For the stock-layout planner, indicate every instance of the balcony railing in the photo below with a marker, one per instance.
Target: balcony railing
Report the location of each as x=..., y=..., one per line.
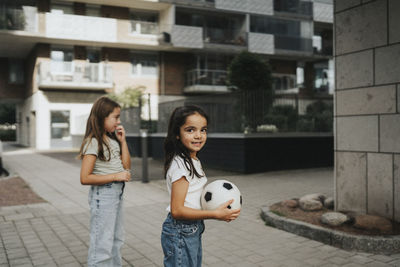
x=293, y=43
x=224, y=36
x=206, y=77
x=295, y=7
x=81, y=27
x=69, y=75
x=18, y=19
x=144, y=27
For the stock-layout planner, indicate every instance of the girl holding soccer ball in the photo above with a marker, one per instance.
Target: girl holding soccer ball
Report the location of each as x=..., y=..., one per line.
x=183, y=227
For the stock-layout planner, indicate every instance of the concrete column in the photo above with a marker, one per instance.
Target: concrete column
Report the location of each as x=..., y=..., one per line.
x=367, y=118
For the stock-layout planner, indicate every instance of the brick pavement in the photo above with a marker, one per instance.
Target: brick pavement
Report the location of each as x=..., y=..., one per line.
x=56, y=233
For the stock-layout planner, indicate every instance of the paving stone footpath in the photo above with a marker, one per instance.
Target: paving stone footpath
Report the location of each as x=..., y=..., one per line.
x=56, y=233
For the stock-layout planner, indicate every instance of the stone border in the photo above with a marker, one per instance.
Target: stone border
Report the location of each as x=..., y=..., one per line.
x=362, y=243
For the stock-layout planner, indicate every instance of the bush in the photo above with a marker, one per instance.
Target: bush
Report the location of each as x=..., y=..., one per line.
x=305, y=124
x=283, y=116
x=322, y=115
x=8, y=135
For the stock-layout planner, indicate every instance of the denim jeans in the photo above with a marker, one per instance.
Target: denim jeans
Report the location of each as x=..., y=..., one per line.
x=106, y=225
x=181, y=242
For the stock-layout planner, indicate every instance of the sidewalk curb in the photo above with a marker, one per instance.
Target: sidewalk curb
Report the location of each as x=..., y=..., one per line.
x=362, y=243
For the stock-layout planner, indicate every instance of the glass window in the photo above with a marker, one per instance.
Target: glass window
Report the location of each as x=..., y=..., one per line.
x=93, y=10
x=93, y=55
x=62, y=8
x=16, y=71
x=275, y=26
x=61, y=60
x=60, y=124
x=146, y=65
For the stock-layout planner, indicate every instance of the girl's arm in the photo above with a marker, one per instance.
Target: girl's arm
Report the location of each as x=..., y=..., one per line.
x=179, y=211
x=88, y=178
x=125, y=156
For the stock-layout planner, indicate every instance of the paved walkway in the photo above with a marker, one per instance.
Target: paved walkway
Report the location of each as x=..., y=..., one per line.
x=56, y=233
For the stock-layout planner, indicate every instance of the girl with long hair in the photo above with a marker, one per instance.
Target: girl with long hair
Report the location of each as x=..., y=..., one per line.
x=105, y=167
x=185, y=178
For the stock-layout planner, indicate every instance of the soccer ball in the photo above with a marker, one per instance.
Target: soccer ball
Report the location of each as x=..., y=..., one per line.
x=218, y=192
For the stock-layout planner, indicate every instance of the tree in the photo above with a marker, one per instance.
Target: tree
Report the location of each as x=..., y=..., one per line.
x=129, y=98
x=251, y=77
x=7, y=113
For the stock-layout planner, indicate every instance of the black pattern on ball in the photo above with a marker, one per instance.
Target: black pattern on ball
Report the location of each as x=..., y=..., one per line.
x=229, y=207
x=228, y=186
x=208, y=196
x=240, y=199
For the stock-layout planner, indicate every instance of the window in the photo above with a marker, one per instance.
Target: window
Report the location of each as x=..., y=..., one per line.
x=283, y=81
x=93, y=10
x=60, y=125
x=16, y=71
x=144, y=65
x=93, y=55
x=144, y=23
x=61, y=60
x=61, y=8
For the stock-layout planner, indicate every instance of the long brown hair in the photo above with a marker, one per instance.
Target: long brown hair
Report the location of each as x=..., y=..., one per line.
x=101, y=108
x=173, y=146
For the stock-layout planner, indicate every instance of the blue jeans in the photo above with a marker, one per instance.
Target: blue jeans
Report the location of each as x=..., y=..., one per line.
x=106, y=225
x=181, y=242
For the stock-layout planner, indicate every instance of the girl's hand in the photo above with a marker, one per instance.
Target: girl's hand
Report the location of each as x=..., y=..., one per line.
x=124, y=176
x=120, y=133
x=225, y=214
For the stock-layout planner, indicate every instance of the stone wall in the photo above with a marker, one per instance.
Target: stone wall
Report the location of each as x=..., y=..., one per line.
x=367, y=119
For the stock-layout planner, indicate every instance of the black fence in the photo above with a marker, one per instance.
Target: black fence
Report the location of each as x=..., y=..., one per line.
x=256, y=111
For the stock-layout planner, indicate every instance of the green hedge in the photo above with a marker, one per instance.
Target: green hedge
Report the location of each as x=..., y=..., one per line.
x=8, y=135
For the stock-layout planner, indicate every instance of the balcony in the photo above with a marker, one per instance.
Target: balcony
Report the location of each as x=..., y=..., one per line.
x=206, y=81
x=323, y=11
x=224, y=36
x=295, y=44
x=187, y=36
x=24, y=19
x=207, y=3
x=261, y=43
x=144, y=27
x=298, y=7
x=71, y=75
x=78, y=27
x=262, y=7
x=284, y=83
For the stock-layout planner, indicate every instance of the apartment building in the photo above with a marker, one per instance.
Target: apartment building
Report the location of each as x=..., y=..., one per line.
x=57, y=57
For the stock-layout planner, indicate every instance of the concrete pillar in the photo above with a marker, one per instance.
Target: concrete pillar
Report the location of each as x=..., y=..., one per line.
x=367, y=119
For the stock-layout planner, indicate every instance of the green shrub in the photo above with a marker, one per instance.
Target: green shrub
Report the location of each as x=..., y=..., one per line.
x=7, y=135
x=305, y=124
x=284, y=117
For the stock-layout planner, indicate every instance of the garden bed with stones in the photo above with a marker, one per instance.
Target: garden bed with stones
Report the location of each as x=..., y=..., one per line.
x=345, y=230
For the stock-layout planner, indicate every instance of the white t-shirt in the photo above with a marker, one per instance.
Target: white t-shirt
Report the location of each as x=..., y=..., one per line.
x=196, y=185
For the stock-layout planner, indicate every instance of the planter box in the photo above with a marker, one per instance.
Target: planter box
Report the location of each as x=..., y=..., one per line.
x=251, y=153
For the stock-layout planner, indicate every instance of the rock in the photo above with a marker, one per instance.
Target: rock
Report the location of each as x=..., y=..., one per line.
x=311, y=202
x=291, y=203
x=329, y=203
x=372, y=222
x=334, y=218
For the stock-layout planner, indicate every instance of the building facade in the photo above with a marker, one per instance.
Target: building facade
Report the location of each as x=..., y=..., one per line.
x=57, y=57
